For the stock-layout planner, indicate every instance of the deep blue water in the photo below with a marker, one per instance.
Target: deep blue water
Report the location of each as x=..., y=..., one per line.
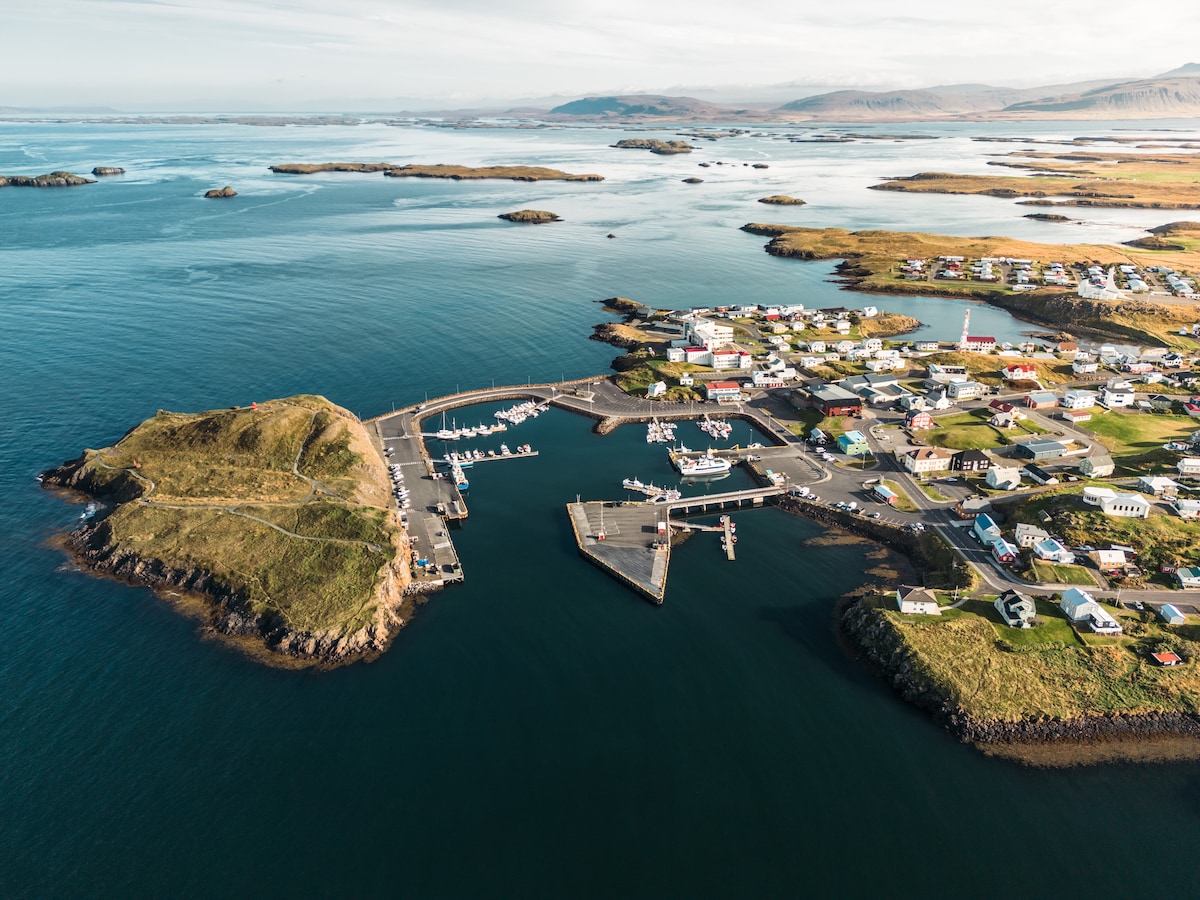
x=537, y=731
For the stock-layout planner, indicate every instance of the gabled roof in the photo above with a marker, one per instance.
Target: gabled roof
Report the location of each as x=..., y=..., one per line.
x=910, y=592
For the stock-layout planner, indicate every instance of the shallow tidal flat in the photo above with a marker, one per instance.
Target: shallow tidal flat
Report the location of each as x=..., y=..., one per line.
x=1079, y=178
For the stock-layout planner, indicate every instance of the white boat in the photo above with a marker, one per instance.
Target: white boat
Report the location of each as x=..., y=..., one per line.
x=705, y=464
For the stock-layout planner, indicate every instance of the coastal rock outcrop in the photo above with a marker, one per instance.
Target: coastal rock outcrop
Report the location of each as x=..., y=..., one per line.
x=693, y=181
x=654, y=145
x=532, y=216
x=215, y=193
x=106, y=171
x=52, y=179
x=781, y=200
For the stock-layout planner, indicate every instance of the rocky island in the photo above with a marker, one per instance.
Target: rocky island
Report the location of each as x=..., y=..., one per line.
x=654, y=145
x=53, y=179
x=217, y=193
x=107, y=171
x=273, y=523
x=781, y=200
x=457, y=173
x=532, y=216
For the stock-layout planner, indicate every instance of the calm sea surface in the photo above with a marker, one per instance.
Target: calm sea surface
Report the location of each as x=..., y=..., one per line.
x=537, y=731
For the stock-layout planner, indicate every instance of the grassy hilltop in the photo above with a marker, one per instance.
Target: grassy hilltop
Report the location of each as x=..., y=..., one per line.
x=280, y=515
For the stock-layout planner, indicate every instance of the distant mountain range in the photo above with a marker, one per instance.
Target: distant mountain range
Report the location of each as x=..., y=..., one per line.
x=1173, y=94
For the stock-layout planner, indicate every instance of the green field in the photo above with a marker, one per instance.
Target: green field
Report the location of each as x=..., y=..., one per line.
x=965, y=431
x=1133, y=437
x=1048, y=572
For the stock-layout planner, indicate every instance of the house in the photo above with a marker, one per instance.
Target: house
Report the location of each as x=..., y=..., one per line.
x=916, y=419
x=1188, y=576
x=833, y=400
x=1038, y=475
x=1028, y=535
x=1117, y=397
x=767, y=380
x=1003, y=551
x=1082, y=609
x=1159, y=486
x=1171, y=614
x=1085, y=367
x=1053, y=551
x=676, y=354
x=1078, y=399
x=1002, y=420
x=686, y=380
x=1016, y=609
x=978, y=344
x=964, y=390
x=854, y=443
x=656, y=389
x=872, y=344
x=970, y=507
x=927, y=459
x=916, y=601
x=947, y=373
x=1188, y=466
x=1120, y=505
x=1098, y=465
x=1108, y=560
x=1075, y=416
x=884, y=494
x=999, y=406
x=1019, y=372
x=1004, y=478
x=723, y=391
x=1187, y=508
x=971, y=461
x=986, y=529
x=1166, y=658
x=927, y=346
x=1162, y=402
x=1041, y=399
x=1040, y=448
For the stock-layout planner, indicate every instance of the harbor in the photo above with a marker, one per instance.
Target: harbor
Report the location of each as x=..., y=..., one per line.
x=632, y=542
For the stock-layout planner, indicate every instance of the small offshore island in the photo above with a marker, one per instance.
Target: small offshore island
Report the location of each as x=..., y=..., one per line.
x=274, y=522
x=530, y=216
x=456, y=173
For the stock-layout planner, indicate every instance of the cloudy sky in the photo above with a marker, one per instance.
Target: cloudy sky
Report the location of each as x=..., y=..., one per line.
x=292, y=54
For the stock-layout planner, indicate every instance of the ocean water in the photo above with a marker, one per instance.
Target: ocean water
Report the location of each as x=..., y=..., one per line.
x=538, y=730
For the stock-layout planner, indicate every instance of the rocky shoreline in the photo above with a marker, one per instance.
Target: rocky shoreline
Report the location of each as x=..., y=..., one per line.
x=882, y=648
x=224, y=611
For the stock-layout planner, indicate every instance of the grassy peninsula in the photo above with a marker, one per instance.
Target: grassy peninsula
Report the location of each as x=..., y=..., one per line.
x=1077, y=178
x=996, y=685
x=277, y=518
x=872, y=261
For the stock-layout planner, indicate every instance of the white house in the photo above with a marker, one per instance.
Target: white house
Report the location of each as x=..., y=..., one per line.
x=1078, y=400
x=1188, y=576
x=1188, y=466
x=964, y=390
x=686, y=380
x=1159, y=486
x=1187, y=508
x=1082, y=609
x=1017, y=610
x=1085, y=367
x=927, y=459
x=1117, y=393
x=676, y=354
x=1117, y=504
x=657, y=389
x=916, y=601
x=1053, y=551
x=869, y=312
x=1028, y=535
x=872, y=344
x=1004, y=478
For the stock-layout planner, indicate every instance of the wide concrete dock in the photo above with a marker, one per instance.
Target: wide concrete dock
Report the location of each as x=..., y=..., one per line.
x=632, y=541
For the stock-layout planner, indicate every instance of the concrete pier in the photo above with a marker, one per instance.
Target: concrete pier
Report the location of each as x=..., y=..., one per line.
x=632, y=541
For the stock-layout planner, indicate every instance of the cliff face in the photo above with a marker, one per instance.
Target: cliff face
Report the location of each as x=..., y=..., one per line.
x=230, y=612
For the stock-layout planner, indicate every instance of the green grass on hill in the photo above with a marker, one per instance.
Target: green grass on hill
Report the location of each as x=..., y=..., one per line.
x=1131, y=436
x=1048, y=572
